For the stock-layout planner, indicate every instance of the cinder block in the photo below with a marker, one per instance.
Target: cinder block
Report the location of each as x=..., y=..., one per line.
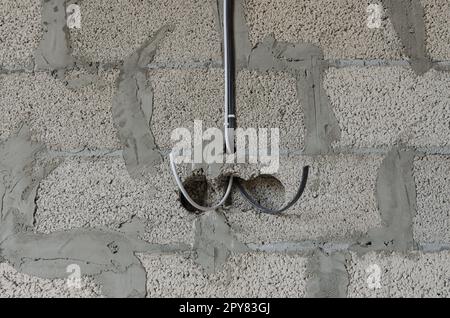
x=338, y=203
x=386, y=106
x=432, y=220
x=412, y=275
x=99, y=193
x=244, y=275
x=338, y=27
x=112, y=30
x=20, y=32
x=264, y=100
x=182, y=96
x=14, y=284
x=66, y=114
x=269, y=100
x=437, y=28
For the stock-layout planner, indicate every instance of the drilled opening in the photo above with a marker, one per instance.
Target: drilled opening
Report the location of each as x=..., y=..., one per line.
x=204, y=192
x=267, y=190
x=197, y=188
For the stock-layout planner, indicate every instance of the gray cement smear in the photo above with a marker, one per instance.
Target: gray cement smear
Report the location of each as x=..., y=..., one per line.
x=396, y=197
x=407, y=17
x=214, y=241
x=108, y=256
x=19, y=181
x=328, y=275
x=53, y=52
x=305, y=62
x=133, y=106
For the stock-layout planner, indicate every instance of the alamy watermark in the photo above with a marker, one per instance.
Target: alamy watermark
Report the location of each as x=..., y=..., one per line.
x=374, y=276
x=74, y=278
x=73, y=13
x=253, y=145
x=375, y=15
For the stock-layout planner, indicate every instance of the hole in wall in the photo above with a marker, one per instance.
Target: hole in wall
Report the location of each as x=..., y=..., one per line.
x=267, y=191
x=197, y=188
x=204, y=192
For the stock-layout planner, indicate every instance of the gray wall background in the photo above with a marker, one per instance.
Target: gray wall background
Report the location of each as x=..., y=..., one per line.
x=85, y=128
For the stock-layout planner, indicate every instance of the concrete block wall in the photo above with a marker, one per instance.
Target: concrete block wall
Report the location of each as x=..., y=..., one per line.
x=85, y=132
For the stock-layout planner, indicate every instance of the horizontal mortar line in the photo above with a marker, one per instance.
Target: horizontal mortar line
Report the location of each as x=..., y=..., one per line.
x=434, y=247
x=187, y=65
x=339, y=63
x=305, y=246
x=378, y=62
x=308, y=246
x=287, y=153
x=368, y=62
x=445, y=151
x=86, y=153
x=5, y=71
x=443, y=62
x=382, y=151
x=433, y=151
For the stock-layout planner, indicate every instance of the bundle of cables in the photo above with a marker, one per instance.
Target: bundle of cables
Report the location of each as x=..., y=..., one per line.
x=230, y=125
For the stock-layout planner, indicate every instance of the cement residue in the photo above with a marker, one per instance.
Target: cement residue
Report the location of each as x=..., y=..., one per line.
x=19, y=180
x=108, y=256
x=53, y=52
x=328, y=275
x=407, y=16
x=47, y=256
x=305, y=62
x=214, y=241
x=396, y=197
x=133, y=107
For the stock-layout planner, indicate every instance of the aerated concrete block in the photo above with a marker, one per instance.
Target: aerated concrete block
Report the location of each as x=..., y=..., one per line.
x=339, y=27
x=264, y=100
x=112, y=30
x=338, y=203
x=397, y=275
x=437, y=28
x=380, y=107
x=14, y=284
x=270, y=101
x=432, y=220
x=65, y=114
x=244, y=275
x=99, y=193
x=20, y=32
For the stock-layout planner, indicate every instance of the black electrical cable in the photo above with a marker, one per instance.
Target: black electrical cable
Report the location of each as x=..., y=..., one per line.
x=256, y=204
x=231, y=110
x=230, y=66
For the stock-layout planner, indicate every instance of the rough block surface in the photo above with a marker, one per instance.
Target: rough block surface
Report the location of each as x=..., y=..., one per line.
x=68, y=114
x=112, y=30
x=18, y=285
x=99, y=193
x=386, y=106
x=432, y=220
x=338, y=27
x=263, y=101
x=412, y=275
x=338, y=203
x=20, y=32
x=437, y=27
x=244, y=275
